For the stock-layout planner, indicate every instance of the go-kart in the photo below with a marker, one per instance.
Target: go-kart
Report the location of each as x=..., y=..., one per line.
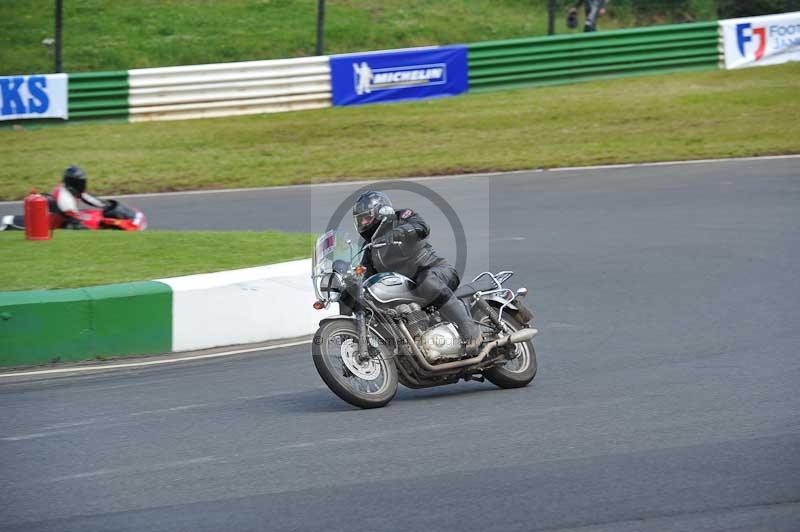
x=115, y=215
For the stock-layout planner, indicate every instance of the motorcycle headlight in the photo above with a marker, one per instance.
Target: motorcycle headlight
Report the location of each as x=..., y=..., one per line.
x=331, y=286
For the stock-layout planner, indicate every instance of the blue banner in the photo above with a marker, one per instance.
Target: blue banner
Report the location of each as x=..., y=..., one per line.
x=396, y=75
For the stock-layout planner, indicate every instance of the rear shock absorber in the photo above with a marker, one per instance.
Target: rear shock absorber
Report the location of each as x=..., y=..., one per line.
x=490, y=312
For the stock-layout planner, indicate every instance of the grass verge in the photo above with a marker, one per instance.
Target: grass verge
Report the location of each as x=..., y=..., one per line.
x=680, y=116
x=75, y=259
x=119, y=34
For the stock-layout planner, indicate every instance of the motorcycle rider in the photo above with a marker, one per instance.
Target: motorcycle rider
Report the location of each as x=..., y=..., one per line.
x=415, y=258
x=64, y=204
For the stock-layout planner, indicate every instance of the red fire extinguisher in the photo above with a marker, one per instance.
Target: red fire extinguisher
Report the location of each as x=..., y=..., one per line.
x=37, y=217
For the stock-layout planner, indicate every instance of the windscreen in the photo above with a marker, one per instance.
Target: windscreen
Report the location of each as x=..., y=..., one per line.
x=332, y=246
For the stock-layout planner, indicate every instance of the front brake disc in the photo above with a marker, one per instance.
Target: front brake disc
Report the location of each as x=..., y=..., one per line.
x=367, y=370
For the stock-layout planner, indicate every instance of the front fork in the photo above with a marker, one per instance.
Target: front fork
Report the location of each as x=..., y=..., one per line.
x=363, y=346
x=361, y=322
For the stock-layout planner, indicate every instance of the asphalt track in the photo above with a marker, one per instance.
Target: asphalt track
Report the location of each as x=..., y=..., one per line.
x=667, y=398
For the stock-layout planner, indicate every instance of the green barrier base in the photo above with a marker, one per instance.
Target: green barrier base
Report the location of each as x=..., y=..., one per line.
x=43, y=326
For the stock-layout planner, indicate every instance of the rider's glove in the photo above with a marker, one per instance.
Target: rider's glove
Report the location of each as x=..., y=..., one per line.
x=395, y=235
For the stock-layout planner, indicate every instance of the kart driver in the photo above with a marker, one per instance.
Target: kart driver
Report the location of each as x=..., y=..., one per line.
x=64, y=207
x=414, y=258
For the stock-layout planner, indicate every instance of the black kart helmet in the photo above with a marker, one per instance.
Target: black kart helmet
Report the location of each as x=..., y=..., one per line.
x=75, y=180
x=365, y=211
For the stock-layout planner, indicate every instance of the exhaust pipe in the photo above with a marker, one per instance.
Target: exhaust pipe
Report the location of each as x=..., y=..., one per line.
x=523, y=335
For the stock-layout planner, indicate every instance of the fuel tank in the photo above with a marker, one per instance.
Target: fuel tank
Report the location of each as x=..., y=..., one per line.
x=392, y=288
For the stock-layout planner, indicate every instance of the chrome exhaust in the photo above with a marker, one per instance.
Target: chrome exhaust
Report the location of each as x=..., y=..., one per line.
x=523, y=335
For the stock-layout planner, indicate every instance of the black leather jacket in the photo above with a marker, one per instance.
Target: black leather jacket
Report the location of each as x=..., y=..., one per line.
x=408, y=258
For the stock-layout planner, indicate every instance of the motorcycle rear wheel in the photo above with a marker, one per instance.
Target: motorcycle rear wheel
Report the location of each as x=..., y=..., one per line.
x=365, y=384
x=519, y=371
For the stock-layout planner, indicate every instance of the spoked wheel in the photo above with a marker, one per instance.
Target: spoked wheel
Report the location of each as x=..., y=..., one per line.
x=366, y=383
x=520, y=370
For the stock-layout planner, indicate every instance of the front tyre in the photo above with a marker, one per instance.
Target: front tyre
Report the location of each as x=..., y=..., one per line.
x=520, y=370
x=370, y=383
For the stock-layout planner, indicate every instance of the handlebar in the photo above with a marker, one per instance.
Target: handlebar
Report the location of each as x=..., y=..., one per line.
x=382, y=244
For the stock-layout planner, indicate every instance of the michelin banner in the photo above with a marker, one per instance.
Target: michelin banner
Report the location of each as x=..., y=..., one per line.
x=26, y=97
x=395, y=75
x=757, y=41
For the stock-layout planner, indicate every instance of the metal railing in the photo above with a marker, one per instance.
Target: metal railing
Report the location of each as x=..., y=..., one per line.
x=561, y=59
x=228, y=89
x=98, y=95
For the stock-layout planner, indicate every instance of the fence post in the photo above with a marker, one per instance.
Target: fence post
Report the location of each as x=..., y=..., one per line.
x=58, y=23
x=551, y=17
x=320, y=26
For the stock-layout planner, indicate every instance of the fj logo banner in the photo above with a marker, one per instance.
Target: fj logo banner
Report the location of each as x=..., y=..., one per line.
x=395, y=75
x=25, y=97
x=760, y=41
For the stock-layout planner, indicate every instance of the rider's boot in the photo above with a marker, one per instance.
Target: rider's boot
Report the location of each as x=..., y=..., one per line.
x=456, y=313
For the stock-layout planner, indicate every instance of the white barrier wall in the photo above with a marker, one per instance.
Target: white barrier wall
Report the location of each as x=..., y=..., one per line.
x=243, y=306
x=227, y=89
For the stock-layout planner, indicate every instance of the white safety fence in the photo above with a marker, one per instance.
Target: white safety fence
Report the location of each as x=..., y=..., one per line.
x=228, y=89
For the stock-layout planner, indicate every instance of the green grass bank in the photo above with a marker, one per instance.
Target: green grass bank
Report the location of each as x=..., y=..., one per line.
x=672, y=117
x=74, y=259
x=119, y=35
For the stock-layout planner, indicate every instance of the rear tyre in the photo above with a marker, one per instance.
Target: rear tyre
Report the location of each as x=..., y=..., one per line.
x=366, y=384
x=519, y=371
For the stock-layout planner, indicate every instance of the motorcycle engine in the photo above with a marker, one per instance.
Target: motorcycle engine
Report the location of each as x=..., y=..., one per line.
x=436, y=340
x=441, y=342
x=417, y=320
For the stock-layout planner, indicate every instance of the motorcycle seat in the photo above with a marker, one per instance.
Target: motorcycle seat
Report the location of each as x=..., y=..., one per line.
x=468, y=289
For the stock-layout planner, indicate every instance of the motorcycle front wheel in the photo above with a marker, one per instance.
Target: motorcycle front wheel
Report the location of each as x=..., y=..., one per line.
x=369, y=383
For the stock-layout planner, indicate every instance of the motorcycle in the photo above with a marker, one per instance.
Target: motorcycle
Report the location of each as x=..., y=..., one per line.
x=385, y=335
x=115, y=215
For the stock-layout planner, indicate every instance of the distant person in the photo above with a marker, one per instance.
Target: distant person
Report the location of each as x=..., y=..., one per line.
x=593, y=8
x=63, y=203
